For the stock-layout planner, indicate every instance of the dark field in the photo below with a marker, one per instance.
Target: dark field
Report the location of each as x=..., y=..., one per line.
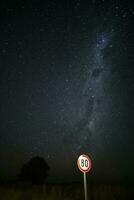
x=66, y=192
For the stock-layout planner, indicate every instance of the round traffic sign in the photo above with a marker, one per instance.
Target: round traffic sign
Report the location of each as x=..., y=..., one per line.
x=84, y=163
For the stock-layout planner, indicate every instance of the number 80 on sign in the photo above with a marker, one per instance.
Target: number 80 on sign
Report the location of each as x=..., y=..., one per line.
x=84, y=163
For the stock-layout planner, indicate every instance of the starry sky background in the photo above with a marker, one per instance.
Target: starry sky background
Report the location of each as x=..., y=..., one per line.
x=67, y=86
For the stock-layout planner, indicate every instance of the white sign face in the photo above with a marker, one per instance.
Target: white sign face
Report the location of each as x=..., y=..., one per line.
x=84, y=163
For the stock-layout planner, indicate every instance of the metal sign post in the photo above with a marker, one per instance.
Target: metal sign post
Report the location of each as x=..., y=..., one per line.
x=84, y=165
x=85, y=185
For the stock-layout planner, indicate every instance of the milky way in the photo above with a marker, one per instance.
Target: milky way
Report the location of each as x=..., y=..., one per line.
x=88, y=136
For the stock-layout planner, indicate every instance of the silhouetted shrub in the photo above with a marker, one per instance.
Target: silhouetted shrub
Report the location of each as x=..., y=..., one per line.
x=34, y=171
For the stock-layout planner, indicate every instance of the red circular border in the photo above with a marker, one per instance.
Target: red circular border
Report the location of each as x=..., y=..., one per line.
x=89, y=159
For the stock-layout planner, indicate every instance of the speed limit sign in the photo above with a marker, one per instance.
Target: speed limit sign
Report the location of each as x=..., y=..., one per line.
x=84, y=163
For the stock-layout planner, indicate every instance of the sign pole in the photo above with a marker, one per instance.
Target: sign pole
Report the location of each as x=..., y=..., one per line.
x=84, y=165
x=85, y=185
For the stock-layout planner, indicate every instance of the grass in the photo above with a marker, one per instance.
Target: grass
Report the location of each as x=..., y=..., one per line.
x=65, y=192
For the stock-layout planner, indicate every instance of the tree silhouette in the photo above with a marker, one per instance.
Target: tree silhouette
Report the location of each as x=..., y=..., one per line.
x=34, y=171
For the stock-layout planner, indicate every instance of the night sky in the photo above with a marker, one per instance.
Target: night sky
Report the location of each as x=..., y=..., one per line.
x=67, y=86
